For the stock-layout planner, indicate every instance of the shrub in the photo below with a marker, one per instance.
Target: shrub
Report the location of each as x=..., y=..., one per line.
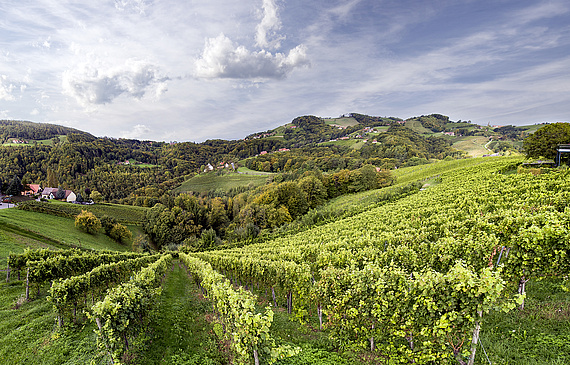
x=87, y=222
x=120, y=233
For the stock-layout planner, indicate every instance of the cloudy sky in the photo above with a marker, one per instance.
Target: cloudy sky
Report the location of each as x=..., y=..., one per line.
x=189, y=70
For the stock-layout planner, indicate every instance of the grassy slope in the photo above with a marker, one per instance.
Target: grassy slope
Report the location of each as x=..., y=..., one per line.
x=123, y=213
x=20, y=229
x=27, y=334
x=343, y=122
x=417, y=126
x=352, y=143
x=473, y=145
x=246, y=171
x=210, y=181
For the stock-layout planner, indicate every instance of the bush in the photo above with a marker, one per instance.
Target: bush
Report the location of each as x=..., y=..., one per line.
x=108, y=223
x=87, y=222
x=120, y=233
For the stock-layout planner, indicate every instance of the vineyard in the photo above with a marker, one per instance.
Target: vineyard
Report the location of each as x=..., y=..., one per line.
x=420, y=279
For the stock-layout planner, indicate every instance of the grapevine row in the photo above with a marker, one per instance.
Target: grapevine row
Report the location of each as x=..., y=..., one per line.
x=121, y=315
x=248, y=331
x=68, y=294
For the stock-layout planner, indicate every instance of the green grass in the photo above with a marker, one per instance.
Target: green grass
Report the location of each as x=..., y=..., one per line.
x=532, y=128
x=134, y=163
x=245, y=170
x=21, y=229
x=352, y=143
x=343, y=122
x=211, y=181
x=181, y=329
x=417, y=126
x=539, y=334
x=128, y=214
x=28, y=336
x=473, y=145
x=16, y=242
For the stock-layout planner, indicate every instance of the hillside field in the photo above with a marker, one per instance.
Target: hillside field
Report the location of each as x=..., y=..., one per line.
x=211, y=182
x=21, y=229
x=127, y=214
x=473, y=145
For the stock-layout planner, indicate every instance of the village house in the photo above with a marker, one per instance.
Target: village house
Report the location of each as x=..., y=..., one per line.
x=49, y=193
x=34, y=189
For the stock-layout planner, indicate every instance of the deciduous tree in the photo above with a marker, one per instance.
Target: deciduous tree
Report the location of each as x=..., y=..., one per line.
x=87, y=222
x=544, y=141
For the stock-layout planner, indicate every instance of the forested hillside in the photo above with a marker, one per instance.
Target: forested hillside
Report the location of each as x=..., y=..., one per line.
x=32, y=131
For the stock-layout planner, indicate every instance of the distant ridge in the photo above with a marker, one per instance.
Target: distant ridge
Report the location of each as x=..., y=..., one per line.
x=34, y=131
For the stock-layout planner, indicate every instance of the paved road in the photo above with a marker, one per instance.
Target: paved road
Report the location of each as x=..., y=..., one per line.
x=6, y=205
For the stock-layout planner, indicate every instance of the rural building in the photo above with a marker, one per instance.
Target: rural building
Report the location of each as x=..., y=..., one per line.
x=562, y=151
x=49, y=193
x=34, y=189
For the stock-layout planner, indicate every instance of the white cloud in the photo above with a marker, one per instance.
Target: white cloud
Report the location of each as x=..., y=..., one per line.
x=92, y=86
x=8, y=86
x=266, y=31
x=223, y=59
x=139, y=131
x=136, y=6
x=543, y=10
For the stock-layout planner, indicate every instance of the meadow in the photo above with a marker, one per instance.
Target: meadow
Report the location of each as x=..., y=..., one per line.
x=21, y=229
x=211, y=181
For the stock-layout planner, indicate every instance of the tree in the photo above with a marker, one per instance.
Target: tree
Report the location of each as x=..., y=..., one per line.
x=51, y=178
x=218, y=217
x=60, y=193
x=15, y=187
x=96, y=196
x=315, y=190
x=87, y=222
x=108, y=223
x=544, y=141
x=140, y=243
x=120, y=233
x=208, y=240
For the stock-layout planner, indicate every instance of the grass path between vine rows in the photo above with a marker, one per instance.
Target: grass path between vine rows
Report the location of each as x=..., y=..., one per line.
x=180, y=331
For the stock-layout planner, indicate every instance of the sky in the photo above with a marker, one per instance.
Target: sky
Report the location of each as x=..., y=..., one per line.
x=191, y=70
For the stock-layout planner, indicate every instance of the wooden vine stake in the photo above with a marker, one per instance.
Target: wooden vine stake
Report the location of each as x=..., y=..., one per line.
x=475, y=339
x=320, y=312
x=255, y=357
x=522, y=289
x=274, y=298
x=28, y=284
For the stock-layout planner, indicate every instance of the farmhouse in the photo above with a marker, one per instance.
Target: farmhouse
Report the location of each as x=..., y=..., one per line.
x=50, y=193
x=34, y=189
